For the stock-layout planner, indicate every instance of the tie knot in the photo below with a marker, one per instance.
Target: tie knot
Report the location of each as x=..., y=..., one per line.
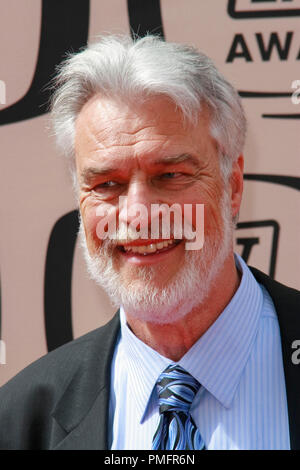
x=176, y=389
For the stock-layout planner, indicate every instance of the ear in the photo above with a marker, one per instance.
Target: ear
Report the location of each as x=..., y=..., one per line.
x=236, y=185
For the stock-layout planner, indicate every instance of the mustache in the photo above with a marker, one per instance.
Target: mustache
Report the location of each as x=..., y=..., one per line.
x=166, y=222
x=125, y=233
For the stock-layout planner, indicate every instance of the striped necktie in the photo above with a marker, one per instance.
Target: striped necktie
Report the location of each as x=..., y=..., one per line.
x=176, y=430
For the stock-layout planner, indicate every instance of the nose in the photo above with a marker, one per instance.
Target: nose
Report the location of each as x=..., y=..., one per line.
x=135, y=207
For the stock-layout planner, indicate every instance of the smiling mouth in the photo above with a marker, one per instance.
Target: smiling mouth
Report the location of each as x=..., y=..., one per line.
x=149, y=248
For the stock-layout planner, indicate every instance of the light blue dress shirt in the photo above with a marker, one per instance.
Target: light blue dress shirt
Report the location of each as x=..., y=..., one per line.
x=238, y=361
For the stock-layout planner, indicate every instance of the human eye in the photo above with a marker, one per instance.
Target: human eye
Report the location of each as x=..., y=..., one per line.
x=173, y=180
x=107, y=184
x=106, y=187
x=170, y=175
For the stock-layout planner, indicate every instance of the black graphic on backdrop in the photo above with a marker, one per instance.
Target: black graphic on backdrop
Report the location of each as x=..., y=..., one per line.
x=58, y=278
x=235, y=11
x=249, y=242
x=289, y=181
x=145, y=17
x=64, y=27
x=268, y=46
x=240, y=50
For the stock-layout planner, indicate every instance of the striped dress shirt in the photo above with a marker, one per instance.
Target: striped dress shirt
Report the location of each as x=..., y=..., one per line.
x=238, y=361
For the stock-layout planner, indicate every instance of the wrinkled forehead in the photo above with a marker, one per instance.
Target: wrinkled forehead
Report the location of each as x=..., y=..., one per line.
x=109, y=124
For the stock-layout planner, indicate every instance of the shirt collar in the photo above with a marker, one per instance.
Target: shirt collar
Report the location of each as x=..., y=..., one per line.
x=216, y=360
x=144, y=365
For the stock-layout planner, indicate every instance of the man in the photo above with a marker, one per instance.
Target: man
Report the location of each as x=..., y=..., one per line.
x=199, y=354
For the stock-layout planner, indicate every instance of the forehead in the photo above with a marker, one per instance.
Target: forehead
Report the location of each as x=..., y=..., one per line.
x=107, y=128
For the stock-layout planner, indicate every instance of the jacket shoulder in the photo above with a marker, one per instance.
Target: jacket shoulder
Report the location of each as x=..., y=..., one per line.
x=56, y=365
x=284, y=297
x=287, y=304
x=30, y=397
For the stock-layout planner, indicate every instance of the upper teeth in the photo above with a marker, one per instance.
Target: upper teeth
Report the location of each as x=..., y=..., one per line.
x=151, y=248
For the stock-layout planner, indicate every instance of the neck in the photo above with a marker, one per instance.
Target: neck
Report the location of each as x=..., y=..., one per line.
x=181, y=335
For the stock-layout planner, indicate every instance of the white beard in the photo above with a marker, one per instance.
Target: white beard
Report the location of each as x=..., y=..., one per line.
x=189, y=288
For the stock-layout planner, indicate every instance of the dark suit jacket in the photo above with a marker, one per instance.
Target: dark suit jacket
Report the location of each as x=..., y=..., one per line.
x=61, y=400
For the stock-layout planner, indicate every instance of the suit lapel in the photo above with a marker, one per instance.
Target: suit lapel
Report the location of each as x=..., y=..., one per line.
x=286, y=301
x=81, y=414
x=91, y=432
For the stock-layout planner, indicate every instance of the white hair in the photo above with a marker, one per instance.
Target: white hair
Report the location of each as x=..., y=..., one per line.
x=128, y=69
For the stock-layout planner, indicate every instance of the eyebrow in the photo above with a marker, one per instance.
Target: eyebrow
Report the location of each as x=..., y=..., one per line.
x=185, y=157
x=92, y=172
x=89, y=173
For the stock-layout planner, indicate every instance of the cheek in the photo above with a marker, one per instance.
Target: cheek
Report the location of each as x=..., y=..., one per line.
x=213, y=221
x=100, y=222
x=90, y=221
x=193, y=215
x=206, y=215
x=213, y=217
